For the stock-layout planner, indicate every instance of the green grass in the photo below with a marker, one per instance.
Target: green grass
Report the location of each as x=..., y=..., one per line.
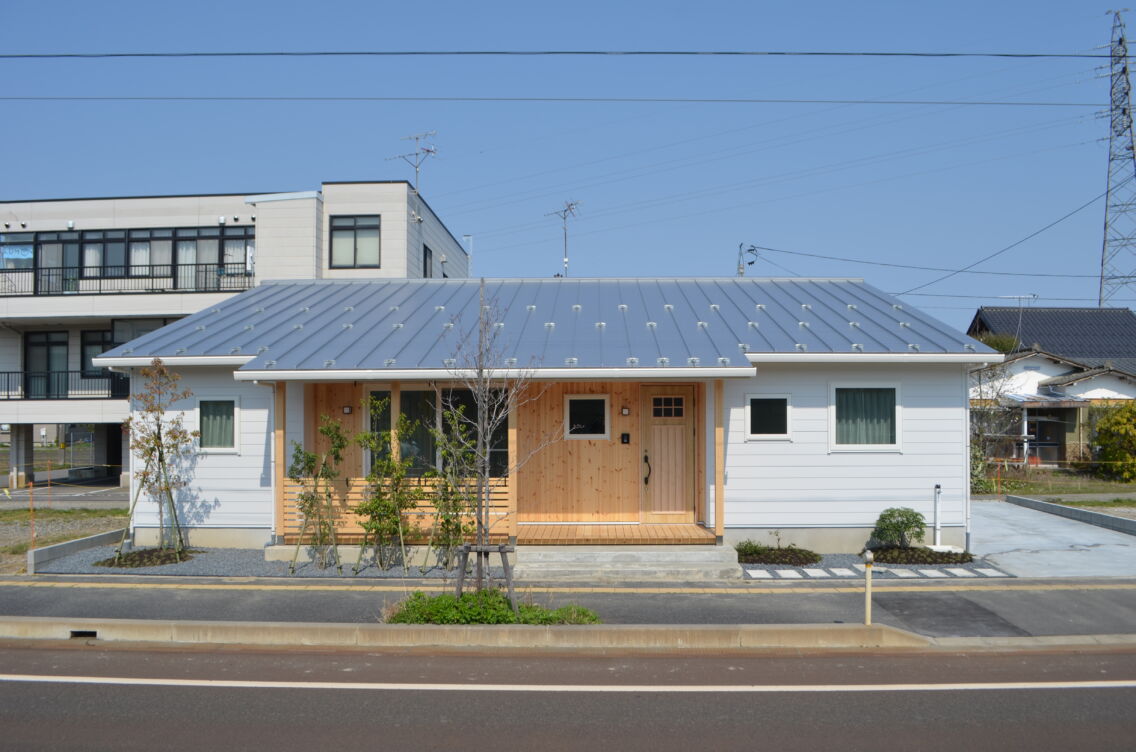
x=23, y=515
x=1051, y=482
x=1112, y=503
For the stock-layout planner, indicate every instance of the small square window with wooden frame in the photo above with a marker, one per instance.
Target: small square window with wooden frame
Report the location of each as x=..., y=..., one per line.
x=586, y=416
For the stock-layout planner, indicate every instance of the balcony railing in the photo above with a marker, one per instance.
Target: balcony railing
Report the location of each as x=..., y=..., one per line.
x=61, y=385
x=129, y=279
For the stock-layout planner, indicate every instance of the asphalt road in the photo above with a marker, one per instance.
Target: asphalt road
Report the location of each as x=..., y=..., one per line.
x=90, y=697
x=1007, y=608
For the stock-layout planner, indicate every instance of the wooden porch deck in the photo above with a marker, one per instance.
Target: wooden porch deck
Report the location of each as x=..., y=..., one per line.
x=612, y=535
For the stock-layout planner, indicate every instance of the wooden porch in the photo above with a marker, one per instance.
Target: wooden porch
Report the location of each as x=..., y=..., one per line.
x=614, y=535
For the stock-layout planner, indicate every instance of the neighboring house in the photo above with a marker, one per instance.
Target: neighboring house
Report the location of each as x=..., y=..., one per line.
x=79, y=276
x=1068, y=361
x=683, y=410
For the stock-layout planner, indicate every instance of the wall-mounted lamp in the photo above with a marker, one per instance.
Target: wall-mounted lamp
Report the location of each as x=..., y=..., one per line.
x=252, y=218
x=23, y=224
x=70, y=224
x=221, y=220
x=236, y=219
x=625, y=410
x=7, y=225
x=347, y=409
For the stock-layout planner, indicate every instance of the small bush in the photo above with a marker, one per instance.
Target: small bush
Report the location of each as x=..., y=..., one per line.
x=148, y=557
x=920, y=555
x=1116, y=436
x=483, y=607
x=899, y=527
x=751, y=552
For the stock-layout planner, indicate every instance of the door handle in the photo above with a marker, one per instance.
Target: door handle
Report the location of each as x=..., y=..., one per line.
x=647, y=477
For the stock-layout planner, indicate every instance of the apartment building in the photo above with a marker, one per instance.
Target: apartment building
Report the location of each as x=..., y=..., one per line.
x=80, y=276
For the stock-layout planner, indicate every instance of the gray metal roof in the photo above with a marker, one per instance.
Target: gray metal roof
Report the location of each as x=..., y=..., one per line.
x=1094, y=337
x=395, y=326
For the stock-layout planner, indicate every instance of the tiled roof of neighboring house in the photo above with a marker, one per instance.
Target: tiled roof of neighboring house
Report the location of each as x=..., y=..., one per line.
x=693, y=325
x=1094, y=337
x=1091, y=373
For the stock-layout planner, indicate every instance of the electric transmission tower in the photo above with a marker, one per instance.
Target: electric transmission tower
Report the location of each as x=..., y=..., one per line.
x=569, y=210
x=1118, y=254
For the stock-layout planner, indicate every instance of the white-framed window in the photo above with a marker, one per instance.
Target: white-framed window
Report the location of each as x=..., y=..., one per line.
x=586, y=416
x=218, y=425
x=768, y=417
x=864, y=417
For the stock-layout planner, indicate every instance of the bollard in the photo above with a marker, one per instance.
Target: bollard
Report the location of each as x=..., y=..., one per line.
x=868, y=558
x=31, y=511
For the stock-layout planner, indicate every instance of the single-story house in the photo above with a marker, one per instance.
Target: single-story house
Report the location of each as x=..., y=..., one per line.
x=663, y=410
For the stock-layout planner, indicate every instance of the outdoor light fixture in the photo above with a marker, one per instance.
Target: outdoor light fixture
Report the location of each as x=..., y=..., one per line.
x=347, y=409
x=70, y=224
x=625, y=410
x=221, y=220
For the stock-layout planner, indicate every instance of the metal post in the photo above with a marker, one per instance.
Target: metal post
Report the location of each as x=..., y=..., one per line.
x=868, y=558
x=938, y=509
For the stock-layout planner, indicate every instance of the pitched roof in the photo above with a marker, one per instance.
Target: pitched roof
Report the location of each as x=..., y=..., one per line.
x=558, y=327
x=1091, y=336
x=1066, y=379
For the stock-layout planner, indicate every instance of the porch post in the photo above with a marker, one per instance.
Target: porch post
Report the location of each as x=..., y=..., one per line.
x=511, y=480
x=279, y=394
x=719, y=462
x=395, y=411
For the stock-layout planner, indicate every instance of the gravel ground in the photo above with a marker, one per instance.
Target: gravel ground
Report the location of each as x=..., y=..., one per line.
x=20, y=532
x=232, y=562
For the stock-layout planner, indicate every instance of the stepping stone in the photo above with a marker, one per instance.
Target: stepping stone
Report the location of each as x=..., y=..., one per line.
x=789, y=574
x=843, y=572
x=817, y=573
x=959, y=572
x=991, y=572
x=932, y=573
x=903, y=573
x=861, y=567
x=760, y=574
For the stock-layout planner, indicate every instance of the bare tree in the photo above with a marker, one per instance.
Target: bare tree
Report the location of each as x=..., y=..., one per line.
x=994, y=423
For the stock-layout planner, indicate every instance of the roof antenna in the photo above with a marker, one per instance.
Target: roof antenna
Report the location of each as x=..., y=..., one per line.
x=742, y=263
x=422, y=152
x=569, y=210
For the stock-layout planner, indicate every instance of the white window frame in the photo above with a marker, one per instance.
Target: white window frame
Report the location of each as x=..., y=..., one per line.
x=236, y=447
x=787, y=436
x=895, y=448
x=569, y=398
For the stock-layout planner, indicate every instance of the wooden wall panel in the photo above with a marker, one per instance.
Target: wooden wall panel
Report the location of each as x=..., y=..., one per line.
x=330, y=399
x=579, y=479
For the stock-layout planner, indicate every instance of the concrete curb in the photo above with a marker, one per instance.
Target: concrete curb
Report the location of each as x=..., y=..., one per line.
x=1119, y=524
x=1041, y=641
x=38, y=556
x=599, y=637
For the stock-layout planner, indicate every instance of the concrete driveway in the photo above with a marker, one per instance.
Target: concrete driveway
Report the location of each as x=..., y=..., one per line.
x=1027, y=543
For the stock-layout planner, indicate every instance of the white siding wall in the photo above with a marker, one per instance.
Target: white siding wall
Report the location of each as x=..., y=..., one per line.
x=804, y=482
x=228, y=490
x=1103, y=387
x=389, y=201
x=288, y=238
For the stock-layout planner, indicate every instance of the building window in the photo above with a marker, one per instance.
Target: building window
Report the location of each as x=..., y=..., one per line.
x=355, y=242
x=217, y=421
x=16, y=250
x=865, y=417
x=94, y=344
x=767, y=416
x=585, y=416
x=667, y=407
x=427, y=263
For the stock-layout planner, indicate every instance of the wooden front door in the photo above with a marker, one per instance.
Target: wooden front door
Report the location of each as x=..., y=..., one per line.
x=667, y=466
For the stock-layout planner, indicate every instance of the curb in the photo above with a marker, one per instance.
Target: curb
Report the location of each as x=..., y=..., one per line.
x=40, y=556
x=1108, y=521
x=598, y=637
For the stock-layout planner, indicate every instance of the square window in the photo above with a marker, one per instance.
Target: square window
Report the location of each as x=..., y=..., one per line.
x=865, y=416
x=217, y=424
x=667, y=407
x=767, y=416
x=586, y=417
x=355, y=242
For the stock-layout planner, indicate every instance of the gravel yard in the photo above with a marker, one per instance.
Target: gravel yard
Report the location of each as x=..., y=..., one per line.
x=48, y=530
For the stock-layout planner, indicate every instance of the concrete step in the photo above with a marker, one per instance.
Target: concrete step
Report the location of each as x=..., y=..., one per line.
x=626, y=563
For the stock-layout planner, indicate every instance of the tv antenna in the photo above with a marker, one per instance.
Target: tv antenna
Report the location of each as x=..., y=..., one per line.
x=423, y=150
x=569, y=210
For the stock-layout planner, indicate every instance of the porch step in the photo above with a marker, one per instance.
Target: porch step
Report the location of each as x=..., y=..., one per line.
x=626, y=563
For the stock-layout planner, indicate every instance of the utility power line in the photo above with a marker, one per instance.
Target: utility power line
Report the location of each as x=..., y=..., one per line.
x=551, y=53
x=920, y=268
x=553, y=100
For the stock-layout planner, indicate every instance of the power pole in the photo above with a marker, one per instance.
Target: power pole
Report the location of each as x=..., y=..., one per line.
x=569, y=210
x=1118, y=254
x=422, y=152
x=742, y=253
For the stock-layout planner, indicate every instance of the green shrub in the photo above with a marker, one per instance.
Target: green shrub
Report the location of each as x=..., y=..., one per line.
x=1116, y=436
x=751, y=552
x=899, y=527
x=920, y=556
x=483, y=607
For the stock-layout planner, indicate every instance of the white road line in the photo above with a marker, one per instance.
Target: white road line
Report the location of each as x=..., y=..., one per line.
x=593, y=688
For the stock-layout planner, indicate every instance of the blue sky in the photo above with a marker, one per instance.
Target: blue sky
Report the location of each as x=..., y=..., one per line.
x=666, y=189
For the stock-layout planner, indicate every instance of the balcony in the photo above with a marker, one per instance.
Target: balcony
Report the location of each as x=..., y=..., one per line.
x=62, y=385
x=120, y=280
